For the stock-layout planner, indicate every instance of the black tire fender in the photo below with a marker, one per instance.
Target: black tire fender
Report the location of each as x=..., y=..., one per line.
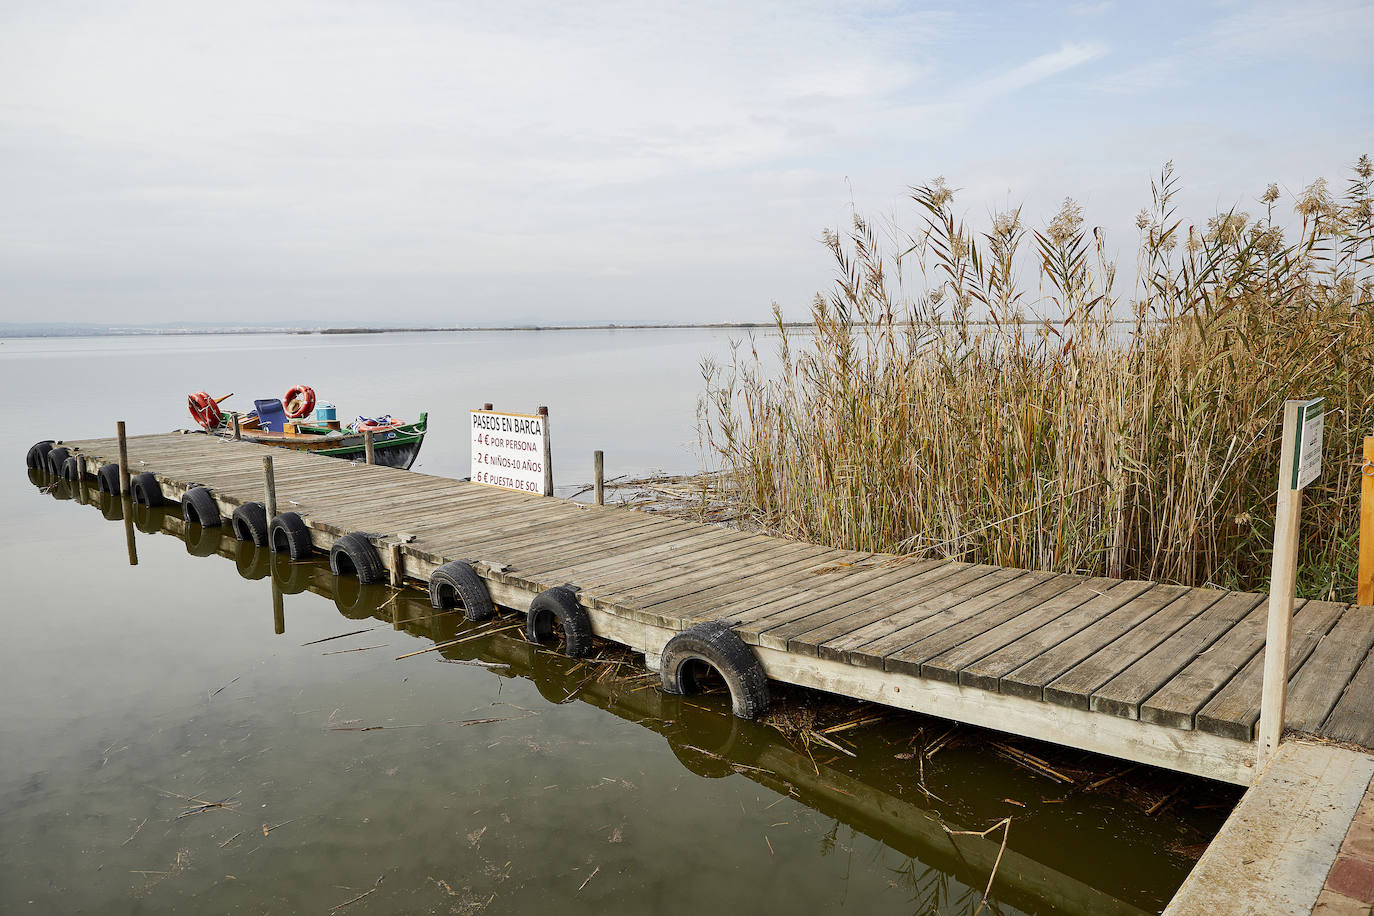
x=71, y=469
x=716, y=646
x=249, y=522
x=456, y=584
x=107, y=478
x=145, y=489
x=198, y=507
x=288, y=534
x=559, y=605
x=37, y=457
x=353, y=554
x=55, y=458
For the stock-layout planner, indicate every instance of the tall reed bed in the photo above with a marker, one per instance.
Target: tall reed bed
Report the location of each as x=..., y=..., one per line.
x=933, y=411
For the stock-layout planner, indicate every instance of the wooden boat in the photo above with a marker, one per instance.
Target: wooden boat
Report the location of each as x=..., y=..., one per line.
x=395, y=443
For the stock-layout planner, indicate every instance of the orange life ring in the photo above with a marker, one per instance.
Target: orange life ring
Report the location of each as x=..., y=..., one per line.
x=299, y=401
x=204, y=409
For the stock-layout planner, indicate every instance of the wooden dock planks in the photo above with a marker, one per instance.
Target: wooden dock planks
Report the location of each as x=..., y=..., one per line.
x=1163, y=655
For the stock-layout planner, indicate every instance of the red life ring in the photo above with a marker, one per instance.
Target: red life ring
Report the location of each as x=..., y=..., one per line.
x=299, y=401
x=204, y=409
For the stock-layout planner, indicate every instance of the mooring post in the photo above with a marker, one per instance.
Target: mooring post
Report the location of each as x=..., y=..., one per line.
x=238, y=432
x=80, y=493
x=488, y=407
x=269, y=481
x=1365, y=592
x=599, y=475
x=397, y=574
x=1282, y=589
x=548, y=452
x=123, y=459
x=369, y=450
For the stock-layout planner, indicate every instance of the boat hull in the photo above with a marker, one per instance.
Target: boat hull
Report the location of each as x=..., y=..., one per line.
x=396, y=448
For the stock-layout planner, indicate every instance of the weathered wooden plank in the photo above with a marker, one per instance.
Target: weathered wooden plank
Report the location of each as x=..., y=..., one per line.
x=1233, y=712
x=869, y=645
x=1075, y=686
x=1038, y=628
x=810, y=632
x=1322, y=680
x=1177, y=702
x=1352, y=719
x=754, y=583
x=1123, y=694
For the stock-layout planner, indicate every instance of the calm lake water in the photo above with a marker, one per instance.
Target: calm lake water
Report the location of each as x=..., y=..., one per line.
x=505, y=779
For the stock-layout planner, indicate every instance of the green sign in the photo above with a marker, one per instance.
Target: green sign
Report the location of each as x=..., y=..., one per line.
x=1307, y=450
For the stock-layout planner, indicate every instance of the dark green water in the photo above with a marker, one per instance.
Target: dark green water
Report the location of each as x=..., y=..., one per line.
x=486, y=777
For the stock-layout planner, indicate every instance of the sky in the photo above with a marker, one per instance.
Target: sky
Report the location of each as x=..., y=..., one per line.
x=420, y=163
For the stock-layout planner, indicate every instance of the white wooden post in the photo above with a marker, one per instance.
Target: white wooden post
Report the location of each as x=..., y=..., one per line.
x=1296, y=470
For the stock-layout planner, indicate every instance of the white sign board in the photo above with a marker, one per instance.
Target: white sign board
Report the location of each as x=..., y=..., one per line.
x=508, y=451
x=1307, y=451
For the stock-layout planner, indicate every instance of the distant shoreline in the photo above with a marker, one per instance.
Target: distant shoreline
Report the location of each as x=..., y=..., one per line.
x=16, y=333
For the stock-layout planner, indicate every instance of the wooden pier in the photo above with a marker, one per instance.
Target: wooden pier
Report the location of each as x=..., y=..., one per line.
x=1157, y=674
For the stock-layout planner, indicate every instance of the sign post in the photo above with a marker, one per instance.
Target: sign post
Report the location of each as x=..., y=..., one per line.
x=1300, y=463
x=1365, y=594
x=511, y=451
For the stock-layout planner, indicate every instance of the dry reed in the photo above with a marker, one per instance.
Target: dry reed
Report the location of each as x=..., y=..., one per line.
x=931, y=412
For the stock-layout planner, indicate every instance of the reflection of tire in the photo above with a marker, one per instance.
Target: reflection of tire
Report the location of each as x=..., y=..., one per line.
x=292, y=577
x=709, y=742
x=253, y=562
x=111, y=506
x=198, y=507
x=147, y=519
x=353, y=554
x=706, y=647
x=355, y=600
x=55, y=458
x=145, y=489
x=288, y=534
x=557, y=609
x=38, y=477
x=107, y=478
x=457, y=584
x=550, y=676
x=250, y=523
x=37, y=457
x=201, y=541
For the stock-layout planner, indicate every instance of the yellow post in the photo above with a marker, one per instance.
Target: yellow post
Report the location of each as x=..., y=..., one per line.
x=1365, y=593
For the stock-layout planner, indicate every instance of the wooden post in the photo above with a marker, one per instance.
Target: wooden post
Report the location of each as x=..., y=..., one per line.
x=1282, y=589
x=397, y=573
x=487, y=407
x=599, y=475
x=1365, y=592
x=369, y=451
x=238, y=432
x=123, y=459
x=269, y=480
x=548, y=452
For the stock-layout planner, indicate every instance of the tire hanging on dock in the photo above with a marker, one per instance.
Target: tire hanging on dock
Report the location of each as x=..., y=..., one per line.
x=198, y=507
x=715, y=646
x=54, y=460
x=457, y=584
x=249, y=522
x=145, y=489
x=288, y=534
x=71, y=469
x=107, y=478
x=558, y=605
x=37, y=457
x=353, y=554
